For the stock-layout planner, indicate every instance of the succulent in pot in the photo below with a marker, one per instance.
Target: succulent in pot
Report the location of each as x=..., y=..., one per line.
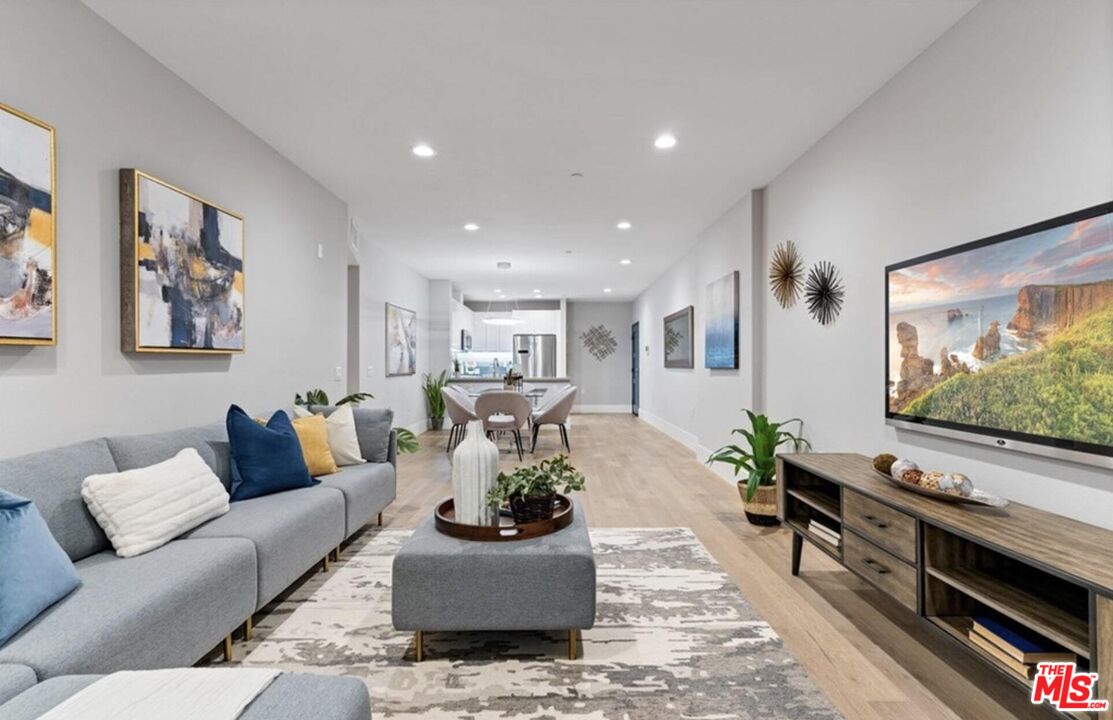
x=531, y=491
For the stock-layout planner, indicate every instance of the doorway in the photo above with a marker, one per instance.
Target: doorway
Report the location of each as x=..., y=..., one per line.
x=634, y=344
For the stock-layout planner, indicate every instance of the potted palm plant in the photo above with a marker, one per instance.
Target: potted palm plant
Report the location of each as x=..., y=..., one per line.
x=531, y=491
x=758, y=490
x=434, y=401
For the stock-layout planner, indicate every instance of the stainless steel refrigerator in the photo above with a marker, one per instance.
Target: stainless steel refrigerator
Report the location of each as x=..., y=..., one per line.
x=535, y=356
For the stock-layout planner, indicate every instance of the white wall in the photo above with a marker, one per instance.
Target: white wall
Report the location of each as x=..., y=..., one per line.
x=113, y=106
x=604, y=385
x=1005, y=121
x=699, y=407
x=386, y=278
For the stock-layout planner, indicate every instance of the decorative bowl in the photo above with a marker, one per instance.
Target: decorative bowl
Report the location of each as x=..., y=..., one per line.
x=975, y=498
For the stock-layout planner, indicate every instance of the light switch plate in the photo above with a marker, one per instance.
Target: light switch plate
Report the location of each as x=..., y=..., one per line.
x=320, y=251
x=338, y=373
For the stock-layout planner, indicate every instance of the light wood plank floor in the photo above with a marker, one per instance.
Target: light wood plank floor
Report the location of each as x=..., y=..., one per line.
x=874, y=659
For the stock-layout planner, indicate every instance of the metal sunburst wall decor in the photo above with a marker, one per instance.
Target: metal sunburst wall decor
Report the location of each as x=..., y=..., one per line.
x=786, y=274
x=824, y=293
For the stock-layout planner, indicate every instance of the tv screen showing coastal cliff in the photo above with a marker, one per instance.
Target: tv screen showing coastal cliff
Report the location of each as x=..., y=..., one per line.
x=1010, y=336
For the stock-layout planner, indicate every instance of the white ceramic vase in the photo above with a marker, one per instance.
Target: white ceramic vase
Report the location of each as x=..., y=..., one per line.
x=475, y=469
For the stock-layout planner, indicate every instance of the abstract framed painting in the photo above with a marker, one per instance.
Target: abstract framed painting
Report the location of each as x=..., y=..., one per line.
x=720, y=348
x=401, y=341
x=679, y=338
x=28, y=209
x=181, y=270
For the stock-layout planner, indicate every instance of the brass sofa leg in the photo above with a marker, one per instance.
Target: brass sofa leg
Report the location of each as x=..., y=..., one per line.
x=324, y=563
x=248, y=629
x=380, y=519
x=228, y=649
x=572, y=644
x=419, y=651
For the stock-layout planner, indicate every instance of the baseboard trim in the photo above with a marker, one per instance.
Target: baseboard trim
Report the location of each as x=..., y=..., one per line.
x=597, y=409
x=677, y=433
x=690, y=441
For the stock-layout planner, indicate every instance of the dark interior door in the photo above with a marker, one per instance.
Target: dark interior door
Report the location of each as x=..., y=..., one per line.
x=634, y=368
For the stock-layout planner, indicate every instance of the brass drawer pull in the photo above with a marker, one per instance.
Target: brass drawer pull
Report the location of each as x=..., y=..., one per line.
x=872, y=520
x=875, y=566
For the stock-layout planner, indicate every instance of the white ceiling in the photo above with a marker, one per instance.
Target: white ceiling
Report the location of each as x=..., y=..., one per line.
x=516, y=95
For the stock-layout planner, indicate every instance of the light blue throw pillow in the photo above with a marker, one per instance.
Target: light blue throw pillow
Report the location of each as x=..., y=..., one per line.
x=35, y=571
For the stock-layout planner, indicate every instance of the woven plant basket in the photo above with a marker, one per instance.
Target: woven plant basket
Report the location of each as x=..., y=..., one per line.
x=762, y=510
x=531, y=509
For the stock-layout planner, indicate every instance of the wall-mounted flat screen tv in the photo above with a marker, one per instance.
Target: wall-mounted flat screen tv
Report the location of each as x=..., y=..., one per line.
x=1009, y=340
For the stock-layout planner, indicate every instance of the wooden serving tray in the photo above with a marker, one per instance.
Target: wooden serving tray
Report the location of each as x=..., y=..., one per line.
x=507, y=530
x=976, y=498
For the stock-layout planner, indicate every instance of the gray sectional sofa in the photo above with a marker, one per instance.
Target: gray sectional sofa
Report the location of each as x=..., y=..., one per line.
x=170, y=607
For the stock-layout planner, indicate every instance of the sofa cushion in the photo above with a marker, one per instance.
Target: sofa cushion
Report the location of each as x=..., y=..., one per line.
x=292, y=696
x=367, y=489
x=35, y=571
x=52, y=480
x=265, y=458
x=291, y=530
x=313, y=437
x=14, y=679
x=167, y=608
x=343, y=442
x=372, y=428
x=146, y=508
x=210, y=442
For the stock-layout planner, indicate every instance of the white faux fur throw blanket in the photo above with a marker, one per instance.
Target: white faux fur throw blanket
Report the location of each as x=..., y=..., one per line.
x=175, y=694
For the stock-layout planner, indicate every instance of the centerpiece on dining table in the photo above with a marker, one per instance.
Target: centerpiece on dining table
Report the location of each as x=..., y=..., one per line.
x=513, y=380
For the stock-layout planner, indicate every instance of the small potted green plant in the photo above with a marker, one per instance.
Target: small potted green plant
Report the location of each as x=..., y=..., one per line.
x=758, y=490
x=531, y=491
x=434, y=401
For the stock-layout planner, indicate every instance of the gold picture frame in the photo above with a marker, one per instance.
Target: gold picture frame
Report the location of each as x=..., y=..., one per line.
x=224, y=281
x=9, y=182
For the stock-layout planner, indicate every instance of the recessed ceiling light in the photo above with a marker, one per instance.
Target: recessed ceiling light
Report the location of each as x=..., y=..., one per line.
x=624, y=225
x=606, y=290
x=536, y=290
x=498, y=290
x=665, y=141
x=471, y=227
x=624, y=261
x=424, y=151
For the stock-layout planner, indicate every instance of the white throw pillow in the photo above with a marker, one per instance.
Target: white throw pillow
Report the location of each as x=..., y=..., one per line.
x=145, y=508
x=343, y=442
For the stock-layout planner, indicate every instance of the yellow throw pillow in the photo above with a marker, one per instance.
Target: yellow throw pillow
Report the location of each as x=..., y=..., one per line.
x=313, y=436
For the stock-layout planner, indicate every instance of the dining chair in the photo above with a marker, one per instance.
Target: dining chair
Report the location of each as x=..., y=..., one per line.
x=555, y=413
x=460, y=411
x=504, y=411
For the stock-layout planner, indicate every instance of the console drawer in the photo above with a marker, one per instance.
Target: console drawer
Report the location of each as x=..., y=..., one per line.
x=880, y=524
x=877, y=567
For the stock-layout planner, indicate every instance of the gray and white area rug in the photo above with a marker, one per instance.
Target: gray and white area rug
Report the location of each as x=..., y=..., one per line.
x=674, y=638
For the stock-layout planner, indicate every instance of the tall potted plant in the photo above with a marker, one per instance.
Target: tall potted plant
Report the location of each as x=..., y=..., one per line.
x=434, y=401
x=758, y=490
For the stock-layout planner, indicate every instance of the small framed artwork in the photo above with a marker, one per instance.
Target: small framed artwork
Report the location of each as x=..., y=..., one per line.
x=720, y=347
x=401, y=341
x=28, y=203
x=680, y=350
x=181, y=270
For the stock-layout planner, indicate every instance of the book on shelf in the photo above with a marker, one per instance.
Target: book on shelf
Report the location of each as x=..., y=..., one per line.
x=825, y=533
x=1022, y=670
x=1017, y=642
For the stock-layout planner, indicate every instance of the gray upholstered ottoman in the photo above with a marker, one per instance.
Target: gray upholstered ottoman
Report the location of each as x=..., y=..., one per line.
x=445, y=584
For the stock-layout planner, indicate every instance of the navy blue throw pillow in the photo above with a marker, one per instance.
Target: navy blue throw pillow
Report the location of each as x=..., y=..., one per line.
x=266, y=459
